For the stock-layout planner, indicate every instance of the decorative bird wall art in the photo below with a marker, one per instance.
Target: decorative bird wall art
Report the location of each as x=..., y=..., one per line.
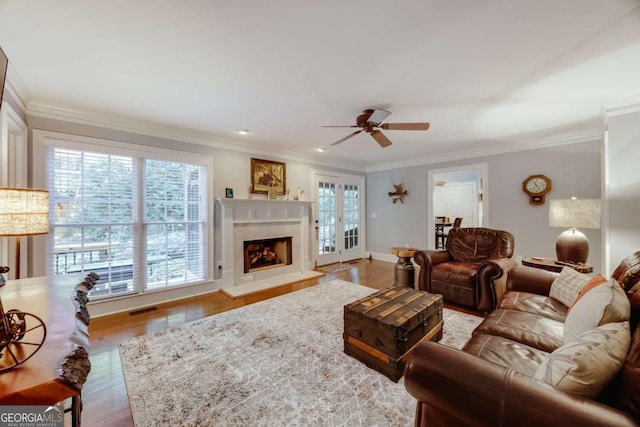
x=399, y=193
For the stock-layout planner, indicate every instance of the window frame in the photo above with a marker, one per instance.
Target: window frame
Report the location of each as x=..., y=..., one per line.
x=45, y=139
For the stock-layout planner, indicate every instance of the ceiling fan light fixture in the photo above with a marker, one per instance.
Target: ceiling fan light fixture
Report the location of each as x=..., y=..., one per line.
x=370, y=121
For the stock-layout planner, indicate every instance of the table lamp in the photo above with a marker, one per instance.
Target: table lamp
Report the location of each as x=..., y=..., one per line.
x=572, y=246
x=23, y=212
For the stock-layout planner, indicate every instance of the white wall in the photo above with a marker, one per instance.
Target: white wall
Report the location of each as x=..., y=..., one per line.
x=573, y=168
x=622, y=183
x=396, y=224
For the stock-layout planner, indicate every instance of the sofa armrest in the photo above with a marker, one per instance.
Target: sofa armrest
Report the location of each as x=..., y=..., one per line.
x=426, y=259
x=529, y=279
x=471, y=391
x=492, y=279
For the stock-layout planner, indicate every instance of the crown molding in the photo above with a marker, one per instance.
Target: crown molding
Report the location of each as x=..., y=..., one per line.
x=141, y=127
x=125, y=124
x=626, y=105
x=495, y=149
x=17, y=89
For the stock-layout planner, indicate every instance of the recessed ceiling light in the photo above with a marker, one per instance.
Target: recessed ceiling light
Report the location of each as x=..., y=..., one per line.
x=243, y=131
x=320, y=150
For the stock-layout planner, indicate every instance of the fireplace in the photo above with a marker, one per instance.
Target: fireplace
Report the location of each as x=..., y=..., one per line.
x=267, y=253
x=255, y=220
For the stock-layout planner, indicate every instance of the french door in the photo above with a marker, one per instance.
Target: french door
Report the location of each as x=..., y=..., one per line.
x=339, y=232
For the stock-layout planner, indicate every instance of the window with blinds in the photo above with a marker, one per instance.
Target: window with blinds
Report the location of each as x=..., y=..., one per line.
x=174, y=223
x=139, y=223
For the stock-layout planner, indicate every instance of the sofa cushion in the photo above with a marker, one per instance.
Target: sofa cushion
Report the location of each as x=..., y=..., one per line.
x=458, y=273
x=527, y=328
x=596, y=280
x=587, y=364
x=535, y=304
x=602, y=304
x=504, y=352
x=566, y=286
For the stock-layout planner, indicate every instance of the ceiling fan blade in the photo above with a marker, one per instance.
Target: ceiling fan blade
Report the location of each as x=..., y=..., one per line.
x=346, y=126
x=405, y=126
x=377, y=116
x=340, y=141
x=380, y=138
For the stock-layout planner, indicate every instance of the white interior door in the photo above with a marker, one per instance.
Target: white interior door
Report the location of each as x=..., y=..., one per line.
x=459, y=200
x=470, y=200
x=337, y=217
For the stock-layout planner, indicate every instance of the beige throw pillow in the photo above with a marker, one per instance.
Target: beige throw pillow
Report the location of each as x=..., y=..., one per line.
x=566, y=286
x=586, y=365
x=605, y=303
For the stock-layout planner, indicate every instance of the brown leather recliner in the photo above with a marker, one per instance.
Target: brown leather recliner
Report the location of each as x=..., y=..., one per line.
x=471, y=271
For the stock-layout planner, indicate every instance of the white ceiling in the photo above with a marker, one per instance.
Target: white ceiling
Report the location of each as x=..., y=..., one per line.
x=486, y=74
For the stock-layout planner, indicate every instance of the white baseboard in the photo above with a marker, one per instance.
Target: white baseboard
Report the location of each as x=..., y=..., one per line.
x=105, y=307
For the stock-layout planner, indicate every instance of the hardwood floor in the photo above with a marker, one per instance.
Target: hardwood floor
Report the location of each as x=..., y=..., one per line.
x=104, y=394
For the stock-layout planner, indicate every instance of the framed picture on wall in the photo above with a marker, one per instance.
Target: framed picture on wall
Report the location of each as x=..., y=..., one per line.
x=228, y=193
x=268, y=175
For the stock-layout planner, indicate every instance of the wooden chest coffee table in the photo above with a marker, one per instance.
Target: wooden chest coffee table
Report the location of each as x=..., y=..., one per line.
x=381, y=329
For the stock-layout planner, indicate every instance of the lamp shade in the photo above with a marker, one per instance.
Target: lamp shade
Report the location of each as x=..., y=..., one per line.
x=574, y=213
x=23, y=212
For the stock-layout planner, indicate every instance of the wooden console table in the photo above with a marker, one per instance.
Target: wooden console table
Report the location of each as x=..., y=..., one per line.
x=60, y=368
x=549, y=264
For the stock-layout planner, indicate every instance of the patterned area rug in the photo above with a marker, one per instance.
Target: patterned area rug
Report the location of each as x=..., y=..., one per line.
x=277, y=362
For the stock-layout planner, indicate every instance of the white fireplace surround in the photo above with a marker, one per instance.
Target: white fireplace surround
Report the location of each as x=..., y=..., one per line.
x=255, y=219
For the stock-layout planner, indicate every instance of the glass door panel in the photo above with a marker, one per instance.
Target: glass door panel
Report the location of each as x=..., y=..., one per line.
x=351, y=222
x=327, y=220
x=338, y=212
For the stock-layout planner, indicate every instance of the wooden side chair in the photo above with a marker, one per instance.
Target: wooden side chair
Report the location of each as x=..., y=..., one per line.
x=441, y=237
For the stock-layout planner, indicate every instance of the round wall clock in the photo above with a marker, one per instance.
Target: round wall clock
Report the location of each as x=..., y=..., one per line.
x=536, y=186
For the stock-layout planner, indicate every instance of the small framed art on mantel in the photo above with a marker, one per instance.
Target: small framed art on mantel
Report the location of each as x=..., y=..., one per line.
x=268, y=175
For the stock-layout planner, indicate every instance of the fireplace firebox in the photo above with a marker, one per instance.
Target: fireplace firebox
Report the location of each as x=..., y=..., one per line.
x=267, y=253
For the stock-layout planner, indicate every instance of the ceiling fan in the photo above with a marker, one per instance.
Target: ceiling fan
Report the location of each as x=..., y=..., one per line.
x=370, y=120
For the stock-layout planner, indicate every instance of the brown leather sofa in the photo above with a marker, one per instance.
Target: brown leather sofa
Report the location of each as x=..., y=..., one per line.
x=489, y=381
x=471, y=271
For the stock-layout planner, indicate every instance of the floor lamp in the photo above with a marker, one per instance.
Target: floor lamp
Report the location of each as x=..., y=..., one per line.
x=572, y=246
x=23, y=212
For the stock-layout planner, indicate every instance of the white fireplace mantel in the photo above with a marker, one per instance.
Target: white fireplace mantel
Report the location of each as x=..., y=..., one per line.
x=261, y=219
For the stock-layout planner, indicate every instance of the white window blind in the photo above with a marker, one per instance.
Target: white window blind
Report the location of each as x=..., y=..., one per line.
x=174, y=217
x=139, y=223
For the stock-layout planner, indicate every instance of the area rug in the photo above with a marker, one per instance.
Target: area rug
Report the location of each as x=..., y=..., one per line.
x=278, y=362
